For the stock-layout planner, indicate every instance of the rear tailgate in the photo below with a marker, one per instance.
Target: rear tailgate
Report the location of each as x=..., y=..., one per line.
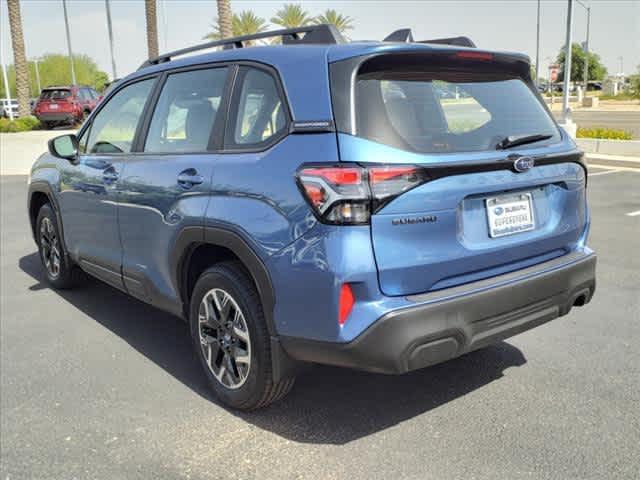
x=477, y=210
x=438, y=235
x=55, y=101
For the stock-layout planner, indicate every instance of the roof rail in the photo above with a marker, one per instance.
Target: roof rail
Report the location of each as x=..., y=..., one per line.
x=405, y=35
x=457, y=41
x=313, y=34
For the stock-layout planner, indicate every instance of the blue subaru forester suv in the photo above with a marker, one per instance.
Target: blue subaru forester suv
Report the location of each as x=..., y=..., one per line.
x=377, y=205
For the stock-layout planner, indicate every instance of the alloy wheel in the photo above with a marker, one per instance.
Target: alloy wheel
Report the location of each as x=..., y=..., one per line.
x=50, y=247
x=224, y=338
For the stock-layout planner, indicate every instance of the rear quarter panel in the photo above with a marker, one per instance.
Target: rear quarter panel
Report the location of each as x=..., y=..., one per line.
x=255, y=194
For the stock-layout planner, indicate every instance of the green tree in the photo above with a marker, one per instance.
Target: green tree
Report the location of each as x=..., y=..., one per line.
x=292, y=16
x=597, y=71
x=341, y=22
x=635, y=83
x=245, y=23
x=55, y=70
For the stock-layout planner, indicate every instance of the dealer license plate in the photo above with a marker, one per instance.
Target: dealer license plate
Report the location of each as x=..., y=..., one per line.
x=509, y=214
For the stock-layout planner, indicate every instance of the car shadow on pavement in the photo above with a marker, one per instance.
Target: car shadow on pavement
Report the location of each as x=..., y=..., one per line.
x=327, y=405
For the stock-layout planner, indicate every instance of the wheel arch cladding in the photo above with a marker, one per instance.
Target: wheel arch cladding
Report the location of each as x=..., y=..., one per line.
x=209, y=245
x=40, y=193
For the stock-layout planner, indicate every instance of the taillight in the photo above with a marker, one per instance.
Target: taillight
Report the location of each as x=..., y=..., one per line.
x=349, y=194
x=337, y=194
x=390, y=181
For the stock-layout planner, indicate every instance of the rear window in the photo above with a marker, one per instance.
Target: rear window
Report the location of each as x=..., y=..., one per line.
x=57, y=94
x=447, y=111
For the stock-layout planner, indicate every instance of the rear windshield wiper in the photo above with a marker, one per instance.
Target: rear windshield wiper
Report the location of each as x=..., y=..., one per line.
x=515, y=140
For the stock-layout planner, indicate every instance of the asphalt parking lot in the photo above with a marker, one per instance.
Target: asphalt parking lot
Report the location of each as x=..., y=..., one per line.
x=94, y=385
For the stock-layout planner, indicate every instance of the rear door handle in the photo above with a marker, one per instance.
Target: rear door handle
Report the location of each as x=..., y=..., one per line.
x=189, y=178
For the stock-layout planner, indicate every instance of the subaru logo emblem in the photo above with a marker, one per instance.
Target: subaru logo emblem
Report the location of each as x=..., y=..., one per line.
x=523, y=164
x=498, y=211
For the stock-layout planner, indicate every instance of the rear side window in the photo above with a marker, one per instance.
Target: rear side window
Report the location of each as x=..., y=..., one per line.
x=259, y=116
x=452, y=110
x=114, y=127
x=186, y=111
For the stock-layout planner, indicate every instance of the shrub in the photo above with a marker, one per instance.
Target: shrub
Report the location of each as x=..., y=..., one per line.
x=22, y=124
x=635, y=85
x=4, y=124
x=605, y=133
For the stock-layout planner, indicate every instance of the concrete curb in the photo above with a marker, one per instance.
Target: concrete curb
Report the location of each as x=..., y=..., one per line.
x=630, y=148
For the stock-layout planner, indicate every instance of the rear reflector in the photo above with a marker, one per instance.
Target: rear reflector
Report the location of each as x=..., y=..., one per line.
x=347, y=301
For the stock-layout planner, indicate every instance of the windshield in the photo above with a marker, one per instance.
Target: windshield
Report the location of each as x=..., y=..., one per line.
x=57, y=94
x=448, y=111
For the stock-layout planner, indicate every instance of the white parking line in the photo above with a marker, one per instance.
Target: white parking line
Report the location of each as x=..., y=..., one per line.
x=616, y=167
x=633, y=214
x=602, y=173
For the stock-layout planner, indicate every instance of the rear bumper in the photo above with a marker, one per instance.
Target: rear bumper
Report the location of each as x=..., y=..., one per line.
x=445, y=324
x=56, y=117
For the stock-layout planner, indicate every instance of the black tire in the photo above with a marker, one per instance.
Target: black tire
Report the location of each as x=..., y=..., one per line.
x=65, y=275
x=258, y=389
x=48, y=125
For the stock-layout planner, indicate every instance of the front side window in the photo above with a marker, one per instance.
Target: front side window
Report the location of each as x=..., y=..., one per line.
x=260, y=114
x=452, y=110
x=186, y=111
x=114, y=127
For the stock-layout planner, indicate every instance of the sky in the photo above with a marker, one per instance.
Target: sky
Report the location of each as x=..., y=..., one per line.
x=492, y=24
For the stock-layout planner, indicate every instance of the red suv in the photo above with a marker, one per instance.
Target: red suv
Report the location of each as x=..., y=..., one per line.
x=71, y=104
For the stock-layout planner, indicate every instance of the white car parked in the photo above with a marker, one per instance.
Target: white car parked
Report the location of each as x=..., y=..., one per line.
x=9, y=105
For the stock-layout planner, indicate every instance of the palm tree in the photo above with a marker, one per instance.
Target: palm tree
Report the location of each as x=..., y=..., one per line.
x=341, y=22
x=19, y=58
x=292, y=16
x=224, y=18
x=246, y=23
x=152, y=27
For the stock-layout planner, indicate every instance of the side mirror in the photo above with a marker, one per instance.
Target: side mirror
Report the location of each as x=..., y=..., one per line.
x=65, y=146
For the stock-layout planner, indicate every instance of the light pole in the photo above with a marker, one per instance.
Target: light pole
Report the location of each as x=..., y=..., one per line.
x=538, y=47
x=66, y=26
x=110, y=30
x=566, y=112
x=586, y=47
x=163, y=6
x=7, y=92
x=35, y=61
